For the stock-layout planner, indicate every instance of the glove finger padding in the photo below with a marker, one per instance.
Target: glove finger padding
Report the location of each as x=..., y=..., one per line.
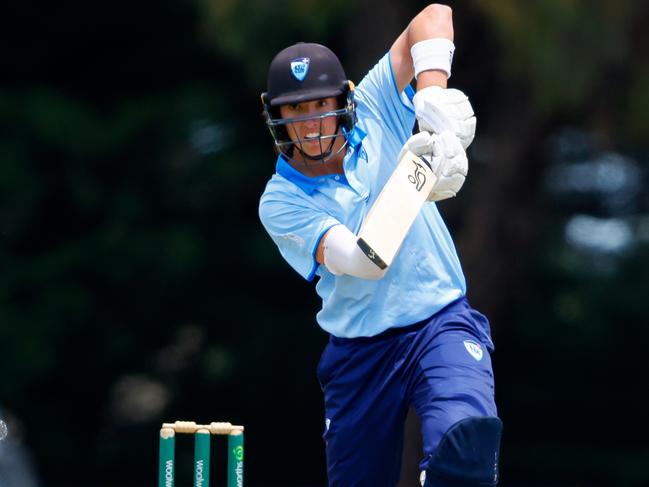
x=440, y=109
x=448, y=145
x=467, y=132
x=452, y=167
x=422, y=144
x=447, y=159
x=446, y=187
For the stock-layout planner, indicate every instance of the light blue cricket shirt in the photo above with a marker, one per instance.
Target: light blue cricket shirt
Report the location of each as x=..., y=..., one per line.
x=297, y=210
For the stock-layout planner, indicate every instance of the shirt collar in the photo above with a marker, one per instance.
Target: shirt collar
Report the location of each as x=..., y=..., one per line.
x=306, y=183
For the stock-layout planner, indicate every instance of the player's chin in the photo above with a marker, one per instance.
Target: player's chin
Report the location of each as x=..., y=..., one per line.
x=312, y=148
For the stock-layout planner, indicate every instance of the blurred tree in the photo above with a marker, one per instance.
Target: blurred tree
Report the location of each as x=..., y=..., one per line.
x=561, y=64
x=252, y=32
x=558, y=63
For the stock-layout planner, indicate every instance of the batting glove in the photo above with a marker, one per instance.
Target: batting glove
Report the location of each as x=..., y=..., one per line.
x=438, y=109
x=446, y=157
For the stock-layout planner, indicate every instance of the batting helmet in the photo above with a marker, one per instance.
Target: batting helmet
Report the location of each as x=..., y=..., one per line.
x=306, y=72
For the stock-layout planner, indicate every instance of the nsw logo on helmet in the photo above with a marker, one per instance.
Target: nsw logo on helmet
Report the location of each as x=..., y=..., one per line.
x=300, y=67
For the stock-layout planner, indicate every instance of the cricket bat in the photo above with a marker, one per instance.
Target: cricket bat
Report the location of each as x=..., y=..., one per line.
x=395, y=209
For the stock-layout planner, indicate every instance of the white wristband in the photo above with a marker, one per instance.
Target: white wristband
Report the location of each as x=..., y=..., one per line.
x=433, y=54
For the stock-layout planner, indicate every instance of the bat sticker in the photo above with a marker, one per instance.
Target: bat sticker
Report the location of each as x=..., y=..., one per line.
x=418, y=178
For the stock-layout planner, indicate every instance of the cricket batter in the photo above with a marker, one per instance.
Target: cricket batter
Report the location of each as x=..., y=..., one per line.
x=404, y=335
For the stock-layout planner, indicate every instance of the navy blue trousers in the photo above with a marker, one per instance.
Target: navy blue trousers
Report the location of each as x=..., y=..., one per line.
x=441, y=366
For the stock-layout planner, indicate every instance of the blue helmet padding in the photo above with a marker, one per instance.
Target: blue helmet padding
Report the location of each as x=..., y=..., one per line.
x=467, y=455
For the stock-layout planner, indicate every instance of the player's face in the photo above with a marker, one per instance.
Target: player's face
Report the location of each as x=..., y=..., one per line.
x=306, y=133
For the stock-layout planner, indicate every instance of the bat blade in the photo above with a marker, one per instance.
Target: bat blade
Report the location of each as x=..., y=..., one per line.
x=395, y=209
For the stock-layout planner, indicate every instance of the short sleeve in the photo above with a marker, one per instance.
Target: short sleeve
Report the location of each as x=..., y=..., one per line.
x=378, y=94
x=296, y=228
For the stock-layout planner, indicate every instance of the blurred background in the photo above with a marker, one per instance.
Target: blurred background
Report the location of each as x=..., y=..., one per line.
x=138, y=286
